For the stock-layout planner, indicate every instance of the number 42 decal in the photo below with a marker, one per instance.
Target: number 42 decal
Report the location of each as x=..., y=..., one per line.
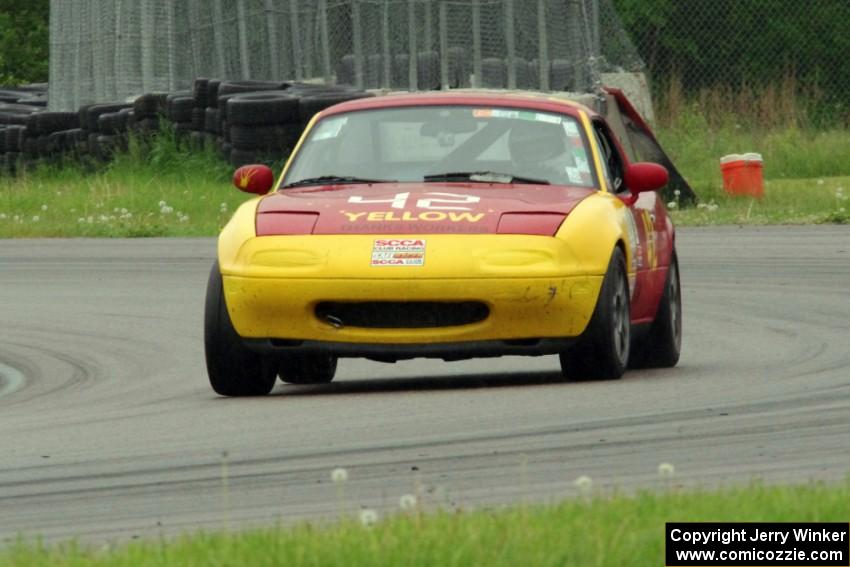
x=435, y=202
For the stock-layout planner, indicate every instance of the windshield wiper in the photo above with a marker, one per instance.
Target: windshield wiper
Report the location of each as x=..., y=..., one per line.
x=334, y=180
x=484, y=177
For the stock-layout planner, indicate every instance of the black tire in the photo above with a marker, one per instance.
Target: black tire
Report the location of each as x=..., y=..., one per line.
x=309, y=369
x=428, y=68
x=232, y=87
x=212, y=121
x=238, y=157
x=49, y=122
x=13, y=138
x=212, y=92
x=494, y=73
x=199, y=92
x=232, y=368
x=180, y=108
x=199, y=119
x=92, y=114
x=150, y=105
x=561, y=75
x=257, y=137
x=262, y=108
x=661, y=345
x=602, y=351
x=308, y=106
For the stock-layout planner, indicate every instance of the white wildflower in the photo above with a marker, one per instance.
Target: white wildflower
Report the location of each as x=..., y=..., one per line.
x=36, y=218
x=162, y=204
x=820, y=181
x=44, y=207
x=666, y=470
x=339, y=475
x=2, y=216
x=407, y=502
x=166, y=210
x=672, y=205
x=90, y=219
x=677, y=192
x=368, y=517
x=81, y=219
x=584, y=483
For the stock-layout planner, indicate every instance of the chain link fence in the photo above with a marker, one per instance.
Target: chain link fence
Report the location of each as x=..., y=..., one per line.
x=106, y=50
x=743, y=52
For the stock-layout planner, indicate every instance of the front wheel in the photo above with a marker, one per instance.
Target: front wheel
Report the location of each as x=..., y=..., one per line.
x=662, y=344
x=603, y=350
x=233, y=369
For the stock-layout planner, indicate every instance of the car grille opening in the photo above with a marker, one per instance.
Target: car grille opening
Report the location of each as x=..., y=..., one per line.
x=401, y=314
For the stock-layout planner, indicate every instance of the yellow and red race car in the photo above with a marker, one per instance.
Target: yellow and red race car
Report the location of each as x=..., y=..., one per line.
x=445, y=225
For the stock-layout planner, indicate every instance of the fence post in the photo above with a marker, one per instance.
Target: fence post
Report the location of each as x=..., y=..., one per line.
x=326, y=44
x=295, y=32
x=194, y=17
x=271, y=28
x=413, y=59
x=444, y=47
x=218, y=38
x=543, y=45
x=476, y=43
x=385, y=45
x=244, y=56
x=510, y=42
x=357, y=32
x=171, y=16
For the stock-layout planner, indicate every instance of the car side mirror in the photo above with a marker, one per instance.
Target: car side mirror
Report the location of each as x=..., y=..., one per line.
x=645, y=176
x=255, y=179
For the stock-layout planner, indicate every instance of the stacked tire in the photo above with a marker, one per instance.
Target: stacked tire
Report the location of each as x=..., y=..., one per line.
x=262, y=126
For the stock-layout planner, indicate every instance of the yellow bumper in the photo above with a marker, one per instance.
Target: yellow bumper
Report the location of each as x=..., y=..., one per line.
x=533, y=286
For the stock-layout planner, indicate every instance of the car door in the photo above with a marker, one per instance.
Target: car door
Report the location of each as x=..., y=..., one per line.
x=647, y=221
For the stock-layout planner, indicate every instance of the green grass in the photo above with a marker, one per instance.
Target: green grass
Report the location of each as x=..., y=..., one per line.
x=807, y=172
x=604, y=530
x=165, y=190
x=168, y=190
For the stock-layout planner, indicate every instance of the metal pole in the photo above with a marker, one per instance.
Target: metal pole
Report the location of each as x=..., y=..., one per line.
x=296, y=38
x=444, y=46
x=309, y=41
x=244, y=56
x=357, y=31
x=218, y=39
x=385, y=42
x=274, y=45
x=476, y=43
x=510, y=43
x=326, y=45
x=543, y=43
x=595, y=29
x=429, y=26
x=413, y=72
x=173, y=53
x=194, y=18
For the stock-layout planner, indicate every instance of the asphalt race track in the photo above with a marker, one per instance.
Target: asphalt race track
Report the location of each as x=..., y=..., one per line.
x=109, y=430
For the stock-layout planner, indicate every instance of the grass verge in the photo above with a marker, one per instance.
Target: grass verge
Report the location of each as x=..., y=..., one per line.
x=604, y=530
x=167, y=190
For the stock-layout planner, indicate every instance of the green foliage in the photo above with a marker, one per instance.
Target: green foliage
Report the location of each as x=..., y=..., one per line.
x=24, y=41
x=744, y=42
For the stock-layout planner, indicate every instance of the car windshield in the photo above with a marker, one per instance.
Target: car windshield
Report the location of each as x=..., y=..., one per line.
x=444, y=143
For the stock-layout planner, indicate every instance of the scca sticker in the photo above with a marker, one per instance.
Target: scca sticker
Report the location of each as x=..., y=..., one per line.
x=398, y=252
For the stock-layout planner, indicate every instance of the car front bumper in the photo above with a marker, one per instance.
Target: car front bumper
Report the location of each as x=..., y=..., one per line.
x=532, y=287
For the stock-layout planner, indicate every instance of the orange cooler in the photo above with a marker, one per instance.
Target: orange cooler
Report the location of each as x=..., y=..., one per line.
x=742, y=174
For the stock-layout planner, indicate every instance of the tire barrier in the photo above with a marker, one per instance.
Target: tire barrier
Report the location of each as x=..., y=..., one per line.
x=245, y=121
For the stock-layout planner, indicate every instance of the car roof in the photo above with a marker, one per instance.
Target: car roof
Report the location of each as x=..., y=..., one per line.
x=522, y=100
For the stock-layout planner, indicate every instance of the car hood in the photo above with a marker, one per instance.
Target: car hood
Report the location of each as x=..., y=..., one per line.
x=427, y=208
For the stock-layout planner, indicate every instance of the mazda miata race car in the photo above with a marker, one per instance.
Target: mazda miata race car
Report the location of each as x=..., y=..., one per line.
x=445, y=225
